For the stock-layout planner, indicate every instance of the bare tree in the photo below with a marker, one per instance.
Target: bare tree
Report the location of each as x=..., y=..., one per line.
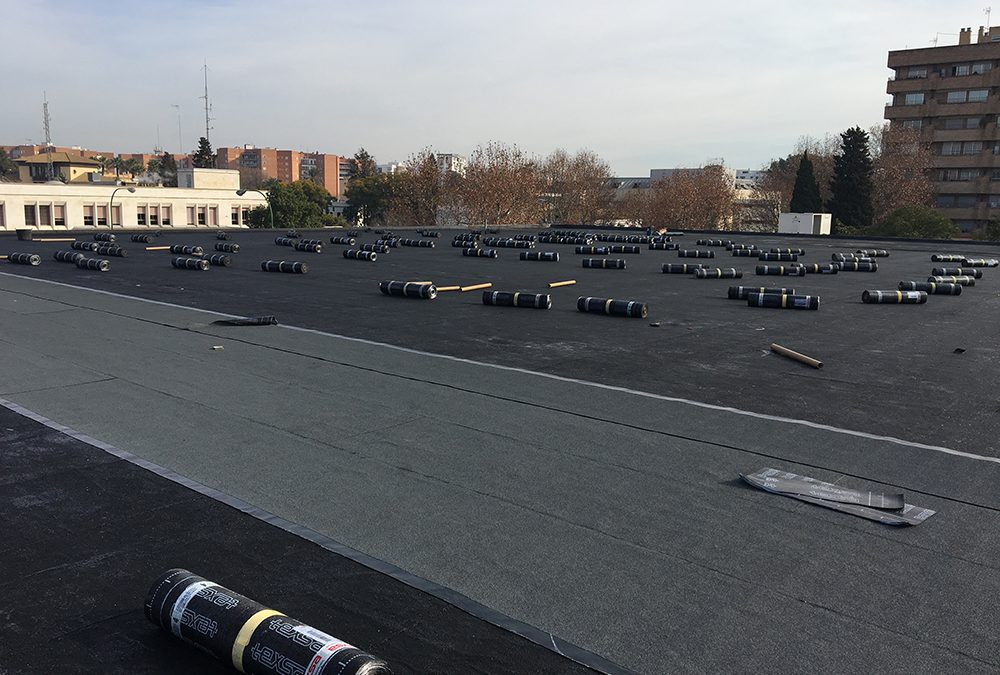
x=694, y=199
x=635, y=207
x=576, y=187
x=500, y=187
x=424, y=191
x=902, y=157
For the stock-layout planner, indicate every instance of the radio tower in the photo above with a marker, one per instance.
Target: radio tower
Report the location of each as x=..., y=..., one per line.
x=208, y=107
x=48, y=133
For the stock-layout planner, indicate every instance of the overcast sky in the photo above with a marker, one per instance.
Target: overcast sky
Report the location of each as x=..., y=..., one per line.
x=644, y=84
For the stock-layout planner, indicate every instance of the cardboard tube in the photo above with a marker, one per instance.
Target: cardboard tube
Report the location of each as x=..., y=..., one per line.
x=801, y=358
x=157, y=248
x=442, y=289
x=4, y=257
x=53, y=240
x=557, y=284
x=477, y=287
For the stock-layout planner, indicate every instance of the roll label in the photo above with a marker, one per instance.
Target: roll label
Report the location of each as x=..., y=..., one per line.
x=180, y=605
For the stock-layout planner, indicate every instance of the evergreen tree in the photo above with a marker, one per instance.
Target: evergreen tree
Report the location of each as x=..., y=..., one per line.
x=805, y=194
x=851, y=187
x=204, y=157
x=364, y=164
x=168, y=170
x=8, y=169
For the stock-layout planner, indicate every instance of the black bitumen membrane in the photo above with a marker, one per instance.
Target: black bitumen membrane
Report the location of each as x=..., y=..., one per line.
x=86, y=533
x=888, y=369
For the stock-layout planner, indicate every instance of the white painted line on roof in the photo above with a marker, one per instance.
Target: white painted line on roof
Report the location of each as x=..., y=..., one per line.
x=559, y=378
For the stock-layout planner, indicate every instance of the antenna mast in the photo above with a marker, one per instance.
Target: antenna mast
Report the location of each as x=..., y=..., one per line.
x=48, y=134
x=208, y=107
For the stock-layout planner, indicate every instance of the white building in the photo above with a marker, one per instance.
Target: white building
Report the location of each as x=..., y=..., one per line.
x=449, y=162
x=748, y=179
x=391, y=167
x=210, y=201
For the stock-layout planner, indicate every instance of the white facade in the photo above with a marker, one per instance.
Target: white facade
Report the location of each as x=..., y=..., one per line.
x=45, y=206
x=449, y=162
x=804, y=223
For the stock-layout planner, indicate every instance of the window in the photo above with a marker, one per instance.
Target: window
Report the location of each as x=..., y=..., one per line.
x=45, y=215
x=912, y=124
x=972, y=147
x=978, y=95
x=213, y=216
x=88, y=215
x=964, y=175
x=945, y=201
x=190, y=215
x=59, y=214
x=102, y=215
x=972, y=122
x=3, y=222
x=140, y=215
x=995, y=174
x=980, y=68
x=994, y=201
x=963, y=69
x=951, y=148
x=29, y=215
x=914, y=99
x=965, y=201
x=235, y=217
x=154, y=216
x=957, y=96
x=165, y=216
x=916, y=73
x=201, y=215
x=116, y=214
x=951, y=123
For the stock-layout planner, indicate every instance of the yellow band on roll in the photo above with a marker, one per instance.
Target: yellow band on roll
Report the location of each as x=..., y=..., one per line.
x=243, y=637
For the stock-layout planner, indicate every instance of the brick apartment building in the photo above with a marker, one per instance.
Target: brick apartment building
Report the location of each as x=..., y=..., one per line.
x=952, y=94
x=332, y=171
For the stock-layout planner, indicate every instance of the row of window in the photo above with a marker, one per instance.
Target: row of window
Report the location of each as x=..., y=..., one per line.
x=147, y=215
x=952, y=123
x=966, y=201
x=956, y=96
x=954, y=70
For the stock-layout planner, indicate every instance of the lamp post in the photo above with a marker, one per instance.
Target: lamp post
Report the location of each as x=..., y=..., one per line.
x=111, y=205
x=243, y=191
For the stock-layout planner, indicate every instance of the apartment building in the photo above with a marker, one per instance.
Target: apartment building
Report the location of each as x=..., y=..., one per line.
x=952, y=95
x=259, y=164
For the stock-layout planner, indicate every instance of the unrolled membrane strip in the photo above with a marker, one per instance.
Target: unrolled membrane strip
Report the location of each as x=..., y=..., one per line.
x=268, y=320
x=839, y=498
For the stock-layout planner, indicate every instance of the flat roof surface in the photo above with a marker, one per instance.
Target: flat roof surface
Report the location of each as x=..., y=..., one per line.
x=575, y=472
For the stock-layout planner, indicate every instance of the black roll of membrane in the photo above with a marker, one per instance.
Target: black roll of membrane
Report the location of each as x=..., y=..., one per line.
x=416, y=243
x=961, y=280
x=343, y=241
x=873, y=252
x=353, y=233
x=778, y=257
x=783, y=301
x=222, y=236
x=947, y=257
x=408, y=289
x=980, y=262
x=592, y=250
x=374, y=248
x=104, y=236
x=219, y=260
x=549, y=256
x=112, y=250
x=356, y=254
x=465, y=243
x=144, y=238
x=223, y=247
x=894, y=297
x=318, y=242
x=745, y=253
x=182, y=263
x=733, y=246
x=430, y=233
x=480, y=253
x=93, y=264
x=681, y=268
x=25, y=259
x=794, y=251
x=818, y=268
x=178, y=249
x=603, y=264
x=84, y=246
x=695, y=253
x=517, y=299
x=284, y=241
x=612, y=307
x=858, y=266
x=67, y=256
x=719, y=273
x=780, y=270
x=741, y=292
x=284, y=266
x=292, y=234
x=931, y=288
x=957, y=272
x=663, y=246
x=631, y=248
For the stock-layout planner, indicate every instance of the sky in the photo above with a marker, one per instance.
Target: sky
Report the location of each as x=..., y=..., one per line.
x=644, y=84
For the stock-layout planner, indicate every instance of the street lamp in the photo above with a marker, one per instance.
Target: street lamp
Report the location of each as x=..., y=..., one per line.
x=243, y=191
x=111, y=202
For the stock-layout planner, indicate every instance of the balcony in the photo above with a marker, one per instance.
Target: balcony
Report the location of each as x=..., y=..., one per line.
x=986, y=134
x=980, y=186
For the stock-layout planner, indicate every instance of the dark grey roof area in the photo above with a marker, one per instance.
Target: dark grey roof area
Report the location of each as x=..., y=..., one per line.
x=575, y=472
